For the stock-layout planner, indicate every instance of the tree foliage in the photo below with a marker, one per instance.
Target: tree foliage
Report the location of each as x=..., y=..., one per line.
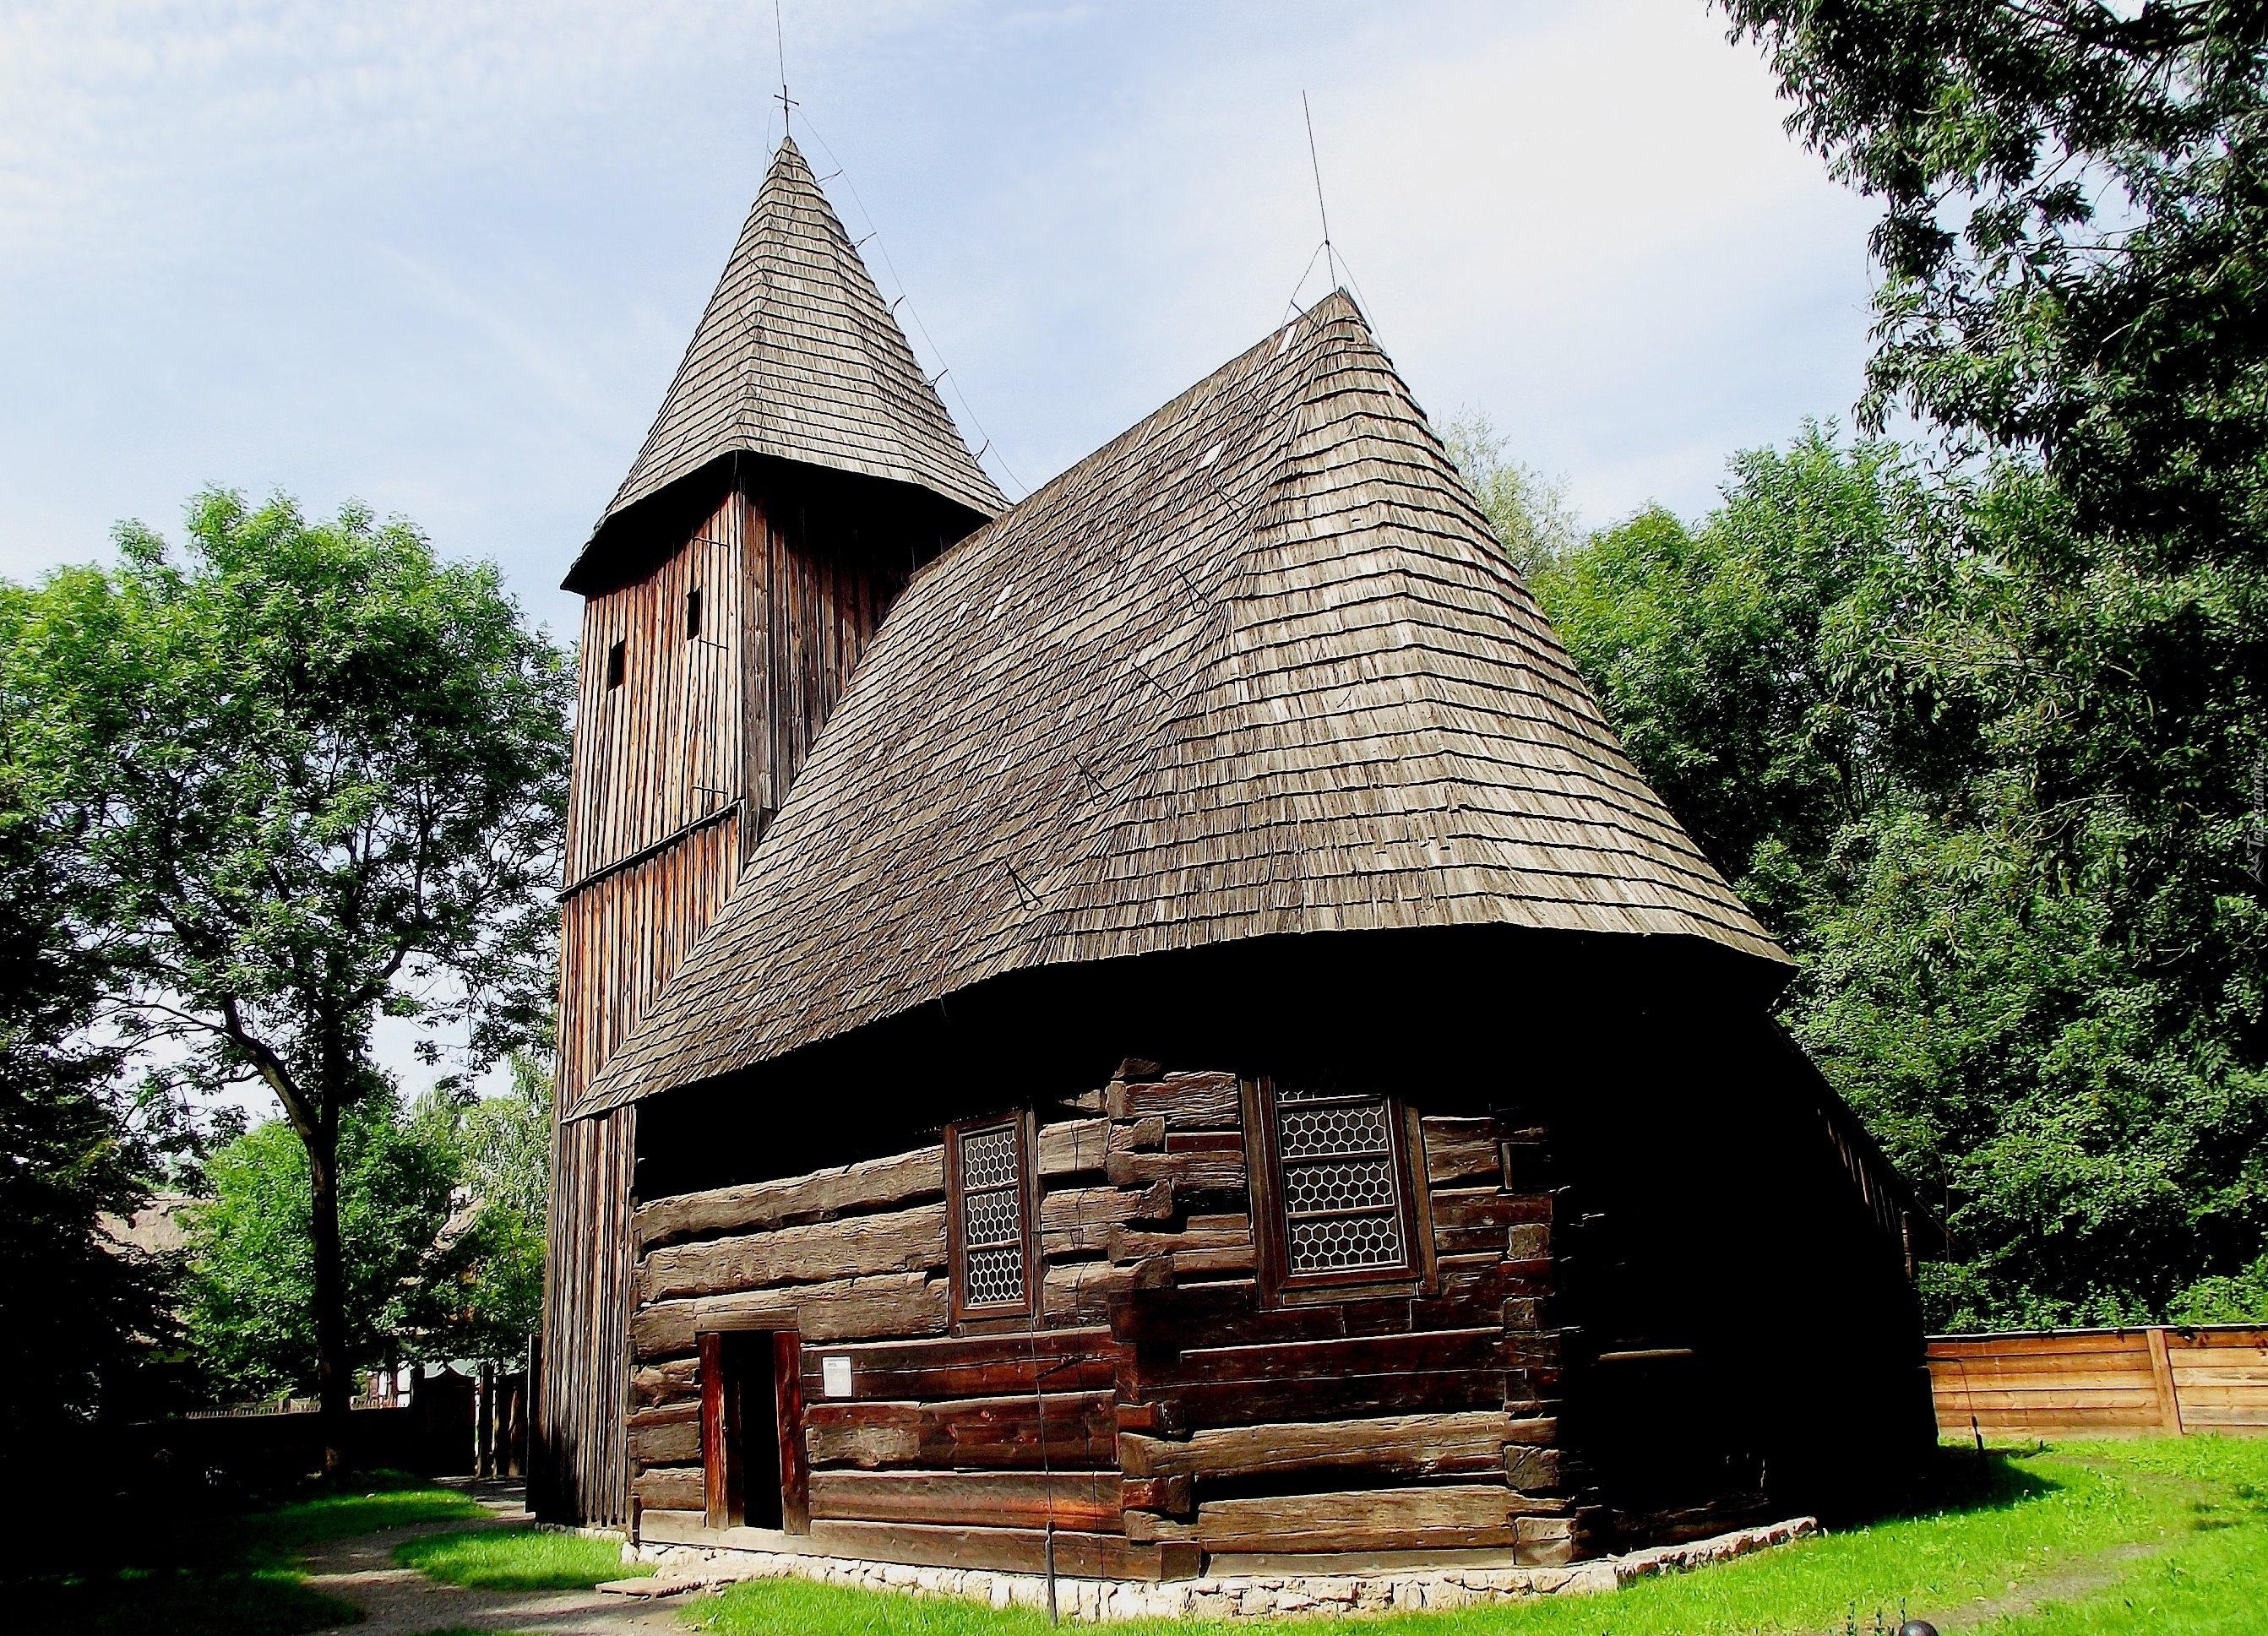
x=1983, y=737
x=251, y=1285
x=1529, y=512
x=500, y=1150
x=441, y=1231
x=81, y=1316
x=315, y=776
x=1836, y=680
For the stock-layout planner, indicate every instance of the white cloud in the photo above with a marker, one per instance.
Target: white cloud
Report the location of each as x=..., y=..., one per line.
x=445, y=256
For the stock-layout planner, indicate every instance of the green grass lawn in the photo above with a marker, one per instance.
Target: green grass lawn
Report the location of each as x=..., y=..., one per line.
x=517, y=1559
x=206, y=1570
x=2169, y=1537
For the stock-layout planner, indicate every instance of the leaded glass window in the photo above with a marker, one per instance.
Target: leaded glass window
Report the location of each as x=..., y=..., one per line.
x=1339, y=1186
x=988, y=1211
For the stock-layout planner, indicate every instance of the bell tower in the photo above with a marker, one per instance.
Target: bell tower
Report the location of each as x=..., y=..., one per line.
x=801, y=468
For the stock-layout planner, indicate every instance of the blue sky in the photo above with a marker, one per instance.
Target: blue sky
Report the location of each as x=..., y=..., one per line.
x=442, y=256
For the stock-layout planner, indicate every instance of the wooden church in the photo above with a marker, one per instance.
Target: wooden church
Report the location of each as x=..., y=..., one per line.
x=1158, y=1021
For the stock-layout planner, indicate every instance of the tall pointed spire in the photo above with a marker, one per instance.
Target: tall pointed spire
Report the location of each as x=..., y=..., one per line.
x=796, y=357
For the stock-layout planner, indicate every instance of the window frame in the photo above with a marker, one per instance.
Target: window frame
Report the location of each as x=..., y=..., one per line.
x=964, y=1312
x=1273, y=1226
x=618, y=663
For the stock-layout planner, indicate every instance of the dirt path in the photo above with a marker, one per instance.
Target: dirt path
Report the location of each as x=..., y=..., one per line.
x=2081, y=1576
x=396, y=1601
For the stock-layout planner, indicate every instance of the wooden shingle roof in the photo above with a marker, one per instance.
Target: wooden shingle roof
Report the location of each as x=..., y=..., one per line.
x=1256, y=666
x=798, y=357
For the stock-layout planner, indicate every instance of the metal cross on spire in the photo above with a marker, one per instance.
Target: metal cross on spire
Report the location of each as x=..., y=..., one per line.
x=779, y=40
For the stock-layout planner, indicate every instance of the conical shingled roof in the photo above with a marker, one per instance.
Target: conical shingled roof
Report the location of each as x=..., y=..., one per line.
x=1256, y=666
x=796, y=357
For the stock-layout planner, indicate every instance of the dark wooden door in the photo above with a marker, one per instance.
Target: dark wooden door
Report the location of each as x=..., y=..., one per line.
x=753, y=1468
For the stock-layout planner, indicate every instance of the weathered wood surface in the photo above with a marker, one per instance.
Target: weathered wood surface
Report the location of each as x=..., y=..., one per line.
x=1424, y=1371
x=1080, y=1431
x=1461, y=1152
x=662, y=750
x=1480, y=1221
x=787, y=1428
x=1061, y=1360
x=2109, y=1383
x=895, y=889
x=898, y=1241
x=1450, y=1517
x=1395, y=1446
x=1170, y=1496
x=1076, y=1221
x=1133, y=1243
x=1081, y=1292
x=1002, y=1550
x=1217, y=1171
x=666, y=1382
x=759, y=1207
x=1537, y=1470
x=1087, y=1502
x=669, y=1488
x=896, y=1304
x=667, y=1436
x=1074, y=1147
x=1186, y=1100
x=1221, y=1314
x=1139, y=1136
x=584, y=1458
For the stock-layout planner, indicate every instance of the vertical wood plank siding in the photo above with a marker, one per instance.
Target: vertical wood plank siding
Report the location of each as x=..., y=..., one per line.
x=663, y=749
x=582, y=1463
x=677, y=772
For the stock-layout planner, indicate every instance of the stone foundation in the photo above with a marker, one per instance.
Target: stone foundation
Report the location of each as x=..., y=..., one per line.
x=1239, y=1596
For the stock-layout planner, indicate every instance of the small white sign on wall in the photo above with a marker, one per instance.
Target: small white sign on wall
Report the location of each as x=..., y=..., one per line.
x=835, y=1372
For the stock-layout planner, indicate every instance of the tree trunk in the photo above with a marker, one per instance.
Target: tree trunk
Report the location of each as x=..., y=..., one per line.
x=334, y=1377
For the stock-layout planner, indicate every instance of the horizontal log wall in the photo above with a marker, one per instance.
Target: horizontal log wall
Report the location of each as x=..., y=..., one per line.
x=2102, y=1382
x=1368, y=1423
x=1163, y=1402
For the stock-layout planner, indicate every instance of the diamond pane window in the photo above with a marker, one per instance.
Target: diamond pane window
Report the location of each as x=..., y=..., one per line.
x=1339, y=1183
x=989, y=1217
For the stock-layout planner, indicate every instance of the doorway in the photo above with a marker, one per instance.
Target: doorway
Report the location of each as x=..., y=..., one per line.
x=753, y=1470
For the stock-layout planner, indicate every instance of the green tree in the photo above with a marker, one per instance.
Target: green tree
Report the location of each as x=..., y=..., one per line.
x=1832, y=679
x=251, y=1281
x=1714, y=650
x=500, y=1150
x=77, y=1315
x=316, y=775
x=1530, y=513
x=2075, y=216
x=2075, y=201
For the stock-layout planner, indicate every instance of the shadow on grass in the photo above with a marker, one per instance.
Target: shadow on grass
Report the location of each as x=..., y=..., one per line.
x=200, y=1568
x=1954, y=1481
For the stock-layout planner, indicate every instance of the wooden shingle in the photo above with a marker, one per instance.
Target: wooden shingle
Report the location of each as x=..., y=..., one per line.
x=1255, y=667
x=798, y=357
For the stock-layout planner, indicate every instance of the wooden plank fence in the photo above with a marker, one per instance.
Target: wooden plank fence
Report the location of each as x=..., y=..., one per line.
x=2102, y=1382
